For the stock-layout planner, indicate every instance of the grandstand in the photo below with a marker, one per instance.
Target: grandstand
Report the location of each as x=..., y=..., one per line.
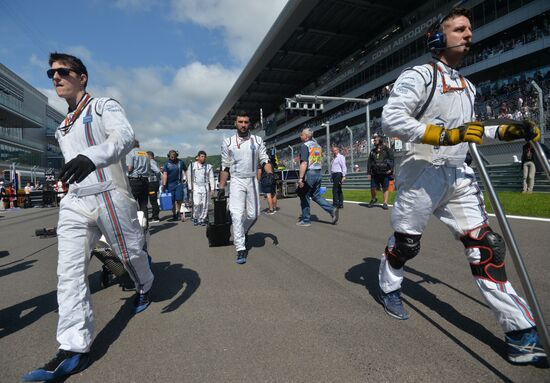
x=355, y=48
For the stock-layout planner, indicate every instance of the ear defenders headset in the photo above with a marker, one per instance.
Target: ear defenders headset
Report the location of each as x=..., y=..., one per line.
x=435, y=38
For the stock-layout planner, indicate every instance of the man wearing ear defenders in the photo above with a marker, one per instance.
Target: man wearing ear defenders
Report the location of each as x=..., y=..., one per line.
x=94, y=138
x=432, y=107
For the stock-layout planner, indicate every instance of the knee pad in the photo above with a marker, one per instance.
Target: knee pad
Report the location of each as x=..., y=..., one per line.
x=407, y=246
x=492, y=250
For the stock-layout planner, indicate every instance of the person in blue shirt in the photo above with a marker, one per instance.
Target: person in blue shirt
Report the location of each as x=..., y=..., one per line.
x=173, y=177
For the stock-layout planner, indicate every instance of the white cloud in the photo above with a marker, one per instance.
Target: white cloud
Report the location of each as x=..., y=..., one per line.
x=244, y=22
x=169, y=108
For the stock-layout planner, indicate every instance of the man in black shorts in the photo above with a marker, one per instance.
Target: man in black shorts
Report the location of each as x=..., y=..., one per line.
x=269, y=187
x=380, y=167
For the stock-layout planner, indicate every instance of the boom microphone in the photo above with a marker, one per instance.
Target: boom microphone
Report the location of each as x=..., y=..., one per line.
x=468, y=44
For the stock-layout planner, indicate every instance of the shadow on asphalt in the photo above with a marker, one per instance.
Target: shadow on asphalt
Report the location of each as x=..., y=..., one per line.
x=171, y=279
x=366, y=274
x=112, y=330
x=314, y=218
x=16, y=268
x=30, y=255
x=21, y=315
x=153, y=229
x=259, y=239
x=379, y=205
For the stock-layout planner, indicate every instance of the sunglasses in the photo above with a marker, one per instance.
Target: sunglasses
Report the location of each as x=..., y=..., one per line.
x=63, y=72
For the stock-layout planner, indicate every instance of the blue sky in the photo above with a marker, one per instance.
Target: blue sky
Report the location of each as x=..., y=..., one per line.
x=170, y=63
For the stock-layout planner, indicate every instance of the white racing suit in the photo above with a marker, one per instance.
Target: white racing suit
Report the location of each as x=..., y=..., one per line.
x=435, y=180
x=241, y=156
x=200, y=180
x=101, y=204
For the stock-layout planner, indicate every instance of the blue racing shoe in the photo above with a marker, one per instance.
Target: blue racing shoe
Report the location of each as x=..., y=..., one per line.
x=393, y=304
x=141, y=302
x=241, y=257
x=525, y=349
x=64, y=363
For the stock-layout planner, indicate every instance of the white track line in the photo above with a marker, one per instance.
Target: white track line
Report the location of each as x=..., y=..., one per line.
x=492, y=215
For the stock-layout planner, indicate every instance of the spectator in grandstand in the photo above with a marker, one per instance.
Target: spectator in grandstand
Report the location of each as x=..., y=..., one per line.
x=488, y=110
x=380, y=167
x=310, y=177
x=154, y=184
x=173, y=177
x=433, y=179
x=504, y=111
x=338, y=171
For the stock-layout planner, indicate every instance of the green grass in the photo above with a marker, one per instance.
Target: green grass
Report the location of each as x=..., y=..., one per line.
x=513, y=203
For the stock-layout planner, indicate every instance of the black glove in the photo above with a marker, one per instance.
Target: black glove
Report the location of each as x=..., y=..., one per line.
x=267, y=180
x=77, y=169
x=221, y=193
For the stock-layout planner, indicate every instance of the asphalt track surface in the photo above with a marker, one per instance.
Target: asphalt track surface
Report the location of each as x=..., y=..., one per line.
x=302, y=309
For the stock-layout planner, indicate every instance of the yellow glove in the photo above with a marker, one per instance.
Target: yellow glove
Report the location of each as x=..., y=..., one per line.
x=440, y=136
x=525, y=129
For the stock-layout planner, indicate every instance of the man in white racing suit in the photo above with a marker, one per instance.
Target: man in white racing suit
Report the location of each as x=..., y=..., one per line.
x=241, y=154
x=432, y=107
x=94, y=138
x=200, y=178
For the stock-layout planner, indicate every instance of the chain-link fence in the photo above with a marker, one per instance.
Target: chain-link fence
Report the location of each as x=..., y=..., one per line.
x=351, y=145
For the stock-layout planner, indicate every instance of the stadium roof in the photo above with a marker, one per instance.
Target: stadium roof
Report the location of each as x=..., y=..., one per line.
x=308, y=38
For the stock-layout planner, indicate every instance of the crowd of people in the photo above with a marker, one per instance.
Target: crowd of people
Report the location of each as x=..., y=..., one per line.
x=48, y=195
x=514, y=97
x=536, y=32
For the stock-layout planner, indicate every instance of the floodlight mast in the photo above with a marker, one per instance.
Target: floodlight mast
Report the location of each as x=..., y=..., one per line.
x=365, y=101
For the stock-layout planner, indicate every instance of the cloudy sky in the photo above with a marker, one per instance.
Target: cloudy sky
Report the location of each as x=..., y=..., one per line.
x=170, y=63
